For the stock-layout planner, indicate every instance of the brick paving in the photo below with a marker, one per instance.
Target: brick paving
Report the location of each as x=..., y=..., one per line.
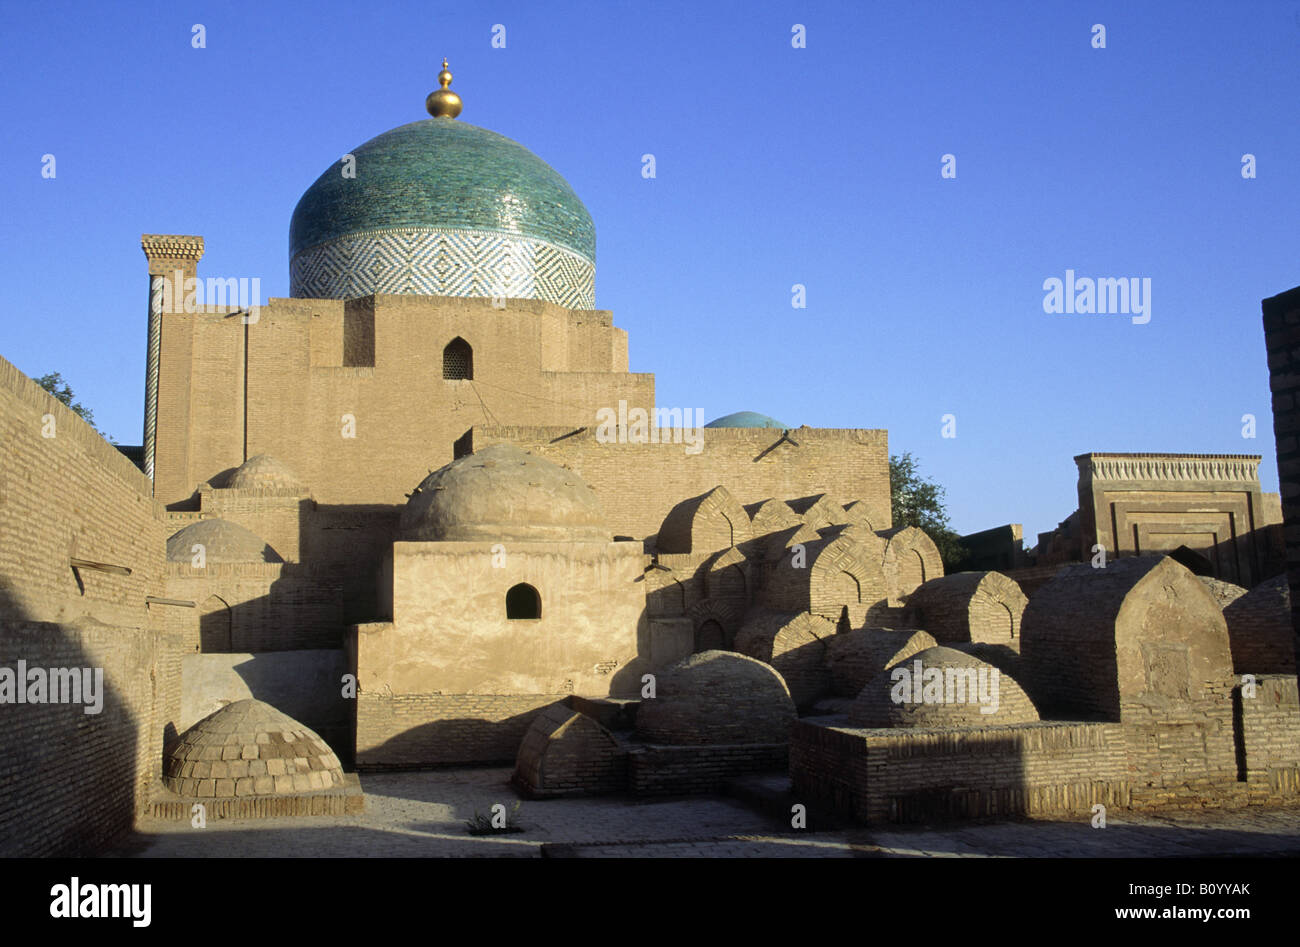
x=424, y=814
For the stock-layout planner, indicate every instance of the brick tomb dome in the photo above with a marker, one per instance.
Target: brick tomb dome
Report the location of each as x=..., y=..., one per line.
x=262, y=472
x=717, y=697
x=249, y=748
x=222, y=541
x=502, y=493
x=959, y=684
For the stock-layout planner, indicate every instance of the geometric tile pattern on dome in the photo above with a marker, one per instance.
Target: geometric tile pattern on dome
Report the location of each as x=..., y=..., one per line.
x=445, y=262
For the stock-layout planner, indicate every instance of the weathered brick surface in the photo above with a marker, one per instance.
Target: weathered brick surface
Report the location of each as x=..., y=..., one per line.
x=282, y=385
x=1281, y=321
x=911, y=560
x=918, y=775
x=710, y=522
x=717, y=697
x=970, y=606
x=857, y=657
x=1270, y=727
x=638, y=484
x=793, y=643
x=267, y=606
x=673, y=770
x=1259, y=629
x=944, y=688
x=1143, y=504
x=414, y=730
x=69, y=781
x=565, y=753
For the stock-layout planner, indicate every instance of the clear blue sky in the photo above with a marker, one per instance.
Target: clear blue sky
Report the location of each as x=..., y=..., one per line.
x=775, y=166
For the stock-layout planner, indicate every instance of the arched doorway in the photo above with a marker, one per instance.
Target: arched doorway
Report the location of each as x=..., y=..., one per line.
x=214, y=627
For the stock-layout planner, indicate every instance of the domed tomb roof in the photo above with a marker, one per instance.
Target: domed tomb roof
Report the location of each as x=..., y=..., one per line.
x=249, y=748
x=262, y=471
x=958, y=696
x=222, y=541
x=443, y=208
x=717, y=697
x=747, y=419
x=502, y=493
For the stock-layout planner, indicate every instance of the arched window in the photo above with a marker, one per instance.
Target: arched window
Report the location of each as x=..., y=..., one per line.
x=458, y=360
x=522, y=601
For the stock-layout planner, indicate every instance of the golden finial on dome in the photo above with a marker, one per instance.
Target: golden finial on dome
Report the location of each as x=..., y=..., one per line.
x=443, y=103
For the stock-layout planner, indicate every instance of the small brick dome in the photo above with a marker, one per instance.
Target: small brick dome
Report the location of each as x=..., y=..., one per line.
x=249, y=748
x=222, y=541
x=502, y=493
x=261, y=472
x=717, y=697
x=955, y=702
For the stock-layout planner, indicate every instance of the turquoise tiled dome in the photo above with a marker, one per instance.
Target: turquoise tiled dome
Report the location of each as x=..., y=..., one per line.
x=439, y=207
x=747, y=419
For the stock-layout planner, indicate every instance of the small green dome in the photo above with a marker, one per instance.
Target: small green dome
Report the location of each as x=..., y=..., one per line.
x=439, y=207
x=747, y=419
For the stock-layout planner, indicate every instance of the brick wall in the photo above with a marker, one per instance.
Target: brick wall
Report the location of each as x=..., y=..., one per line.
x=420, y=730
x=282, y=385
x=567, y=753
x=638, y=484
x=970, y=606
x=918, y=775
x=72, y=781
x=673, y=770
x=1259, y=629
x=270, y=606
x=1270, y=726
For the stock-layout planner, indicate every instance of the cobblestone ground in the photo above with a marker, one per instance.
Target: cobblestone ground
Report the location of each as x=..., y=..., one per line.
x=424, y=814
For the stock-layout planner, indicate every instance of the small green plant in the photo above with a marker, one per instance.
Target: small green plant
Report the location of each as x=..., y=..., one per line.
x=498, y=822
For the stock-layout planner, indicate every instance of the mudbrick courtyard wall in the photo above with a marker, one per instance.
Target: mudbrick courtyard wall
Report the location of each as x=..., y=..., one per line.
x=81, y=552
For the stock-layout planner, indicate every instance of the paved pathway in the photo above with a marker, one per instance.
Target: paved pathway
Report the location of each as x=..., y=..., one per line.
x=424, y=814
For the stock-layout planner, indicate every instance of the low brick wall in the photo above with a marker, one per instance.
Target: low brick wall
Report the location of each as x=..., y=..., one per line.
x=1270, y=727
x=409, y=731
x=73, y=782
x=655, y=770
x=914, y=775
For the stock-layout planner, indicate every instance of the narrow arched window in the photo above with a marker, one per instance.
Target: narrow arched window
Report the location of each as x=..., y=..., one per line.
x=458, y=360
x=522, y=601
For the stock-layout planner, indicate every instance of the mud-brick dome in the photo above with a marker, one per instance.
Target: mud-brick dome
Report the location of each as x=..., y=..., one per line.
x=954, y=707
x=717, y=697
x=499, y=494
x=222, y=541
x=263, y=472
x=249, y=748
x=442, y=208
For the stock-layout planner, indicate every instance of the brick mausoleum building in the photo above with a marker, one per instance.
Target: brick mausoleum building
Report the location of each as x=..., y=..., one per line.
x=421, y=513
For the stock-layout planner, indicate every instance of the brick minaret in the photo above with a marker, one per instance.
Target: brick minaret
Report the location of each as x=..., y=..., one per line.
x=175, y=258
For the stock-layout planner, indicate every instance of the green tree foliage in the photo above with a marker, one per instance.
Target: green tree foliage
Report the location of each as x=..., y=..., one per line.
x=55, y=385
x=919, y=501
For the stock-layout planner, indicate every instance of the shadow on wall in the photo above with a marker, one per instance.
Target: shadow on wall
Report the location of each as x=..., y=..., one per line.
x=306, y=685
x=450, y=742
x=352, y=541
x=294, y=615
x=73, y=776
